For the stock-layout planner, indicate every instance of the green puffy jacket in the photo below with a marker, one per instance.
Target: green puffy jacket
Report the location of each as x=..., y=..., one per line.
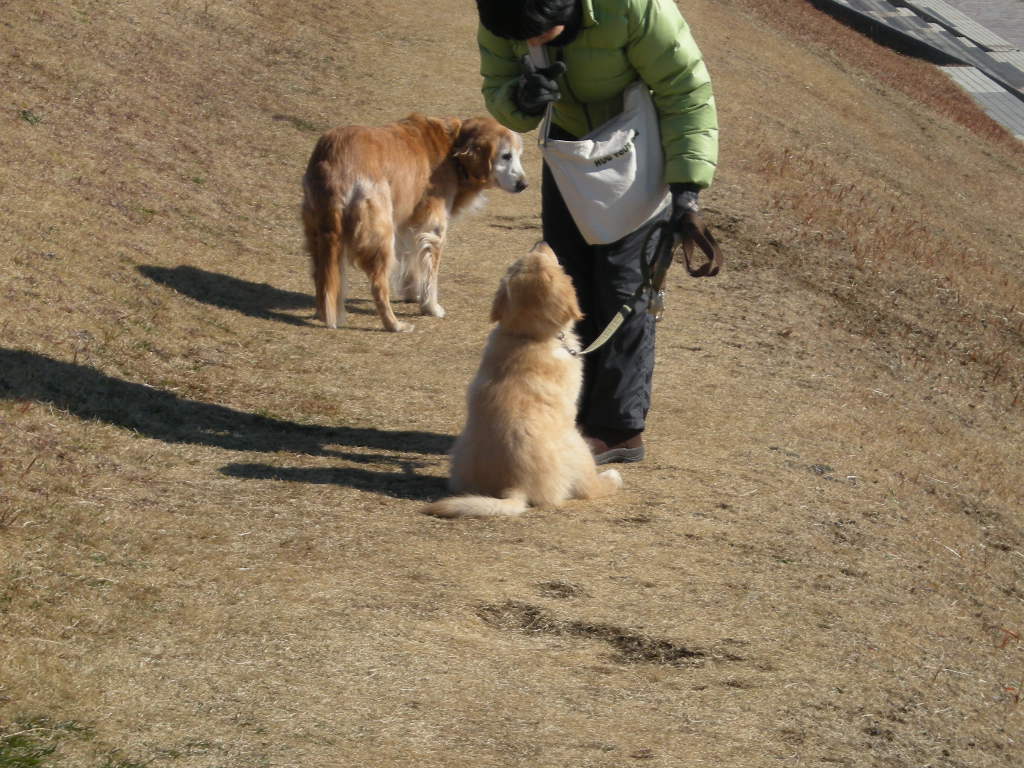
x=621, y=41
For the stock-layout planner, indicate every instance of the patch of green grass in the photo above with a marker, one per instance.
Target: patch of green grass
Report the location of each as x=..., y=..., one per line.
x=31, y=742
x=23, y=751
x=30, y=117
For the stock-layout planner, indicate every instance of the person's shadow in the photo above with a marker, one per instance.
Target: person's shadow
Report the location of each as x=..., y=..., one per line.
x=90, y=394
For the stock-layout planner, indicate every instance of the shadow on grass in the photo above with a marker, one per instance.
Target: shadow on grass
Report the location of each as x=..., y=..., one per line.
x=253, y=299
x=406, y=484
x=88, y=393
x=258, y=300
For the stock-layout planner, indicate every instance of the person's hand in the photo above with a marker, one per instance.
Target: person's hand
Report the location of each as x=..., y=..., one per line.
x=684, y=200
x=685, y=209
x=691, y=231
x=537, y=86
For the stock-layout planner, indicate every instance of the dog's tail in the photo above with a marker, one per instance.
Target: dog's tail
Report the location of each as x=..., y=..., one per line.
x=478, y=506
x=322, y=221
x=329, y=267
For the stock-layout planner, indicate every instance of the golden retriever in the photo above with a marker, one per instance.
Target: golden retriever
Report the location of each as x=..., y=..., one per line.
x=381, y=198
x=520, y=446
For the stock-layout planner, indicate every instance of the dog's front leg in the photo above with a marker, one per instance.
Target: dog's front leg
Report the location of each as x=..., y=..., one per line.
x=428, y=253
x=429, y=244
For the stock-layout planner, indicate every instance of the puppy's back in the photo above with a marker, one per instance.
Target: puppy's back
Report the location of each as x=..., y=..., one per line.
x=520, y=422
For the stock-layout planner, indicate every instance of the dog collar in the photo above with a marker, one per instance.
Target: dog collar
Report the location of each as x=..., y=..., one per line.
x=571, y=350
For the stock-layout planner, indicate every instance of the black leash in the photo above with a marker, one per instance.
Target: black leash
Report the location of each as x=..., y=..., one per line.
x=653, y=272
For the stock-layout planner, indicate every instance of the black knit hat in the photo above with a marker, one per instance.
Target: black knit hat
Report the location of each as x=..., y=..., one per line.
x=523, y=19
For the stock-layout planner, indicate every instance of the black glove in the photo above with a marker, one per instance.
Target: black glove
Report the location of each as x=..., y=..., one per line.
x=537, y=86
x=688, y=224
x=684, y=200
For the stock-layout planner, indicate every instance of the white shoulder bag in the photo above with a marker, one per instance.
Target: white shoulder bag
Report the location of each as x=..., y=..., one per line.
x=612, y=179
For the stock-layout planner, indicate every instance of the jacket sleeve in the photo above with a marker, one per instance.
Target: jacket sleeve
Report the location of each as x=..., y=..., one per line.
x=500, y=69
x=664, y=53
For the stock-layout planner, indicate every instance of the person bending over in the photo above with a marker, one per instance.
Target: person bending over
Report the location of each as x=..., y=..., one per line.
x=596, y=49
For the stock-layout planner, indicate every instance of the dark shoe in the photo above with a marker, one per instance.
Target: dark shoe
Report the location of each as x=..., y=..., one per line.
x=625, y=451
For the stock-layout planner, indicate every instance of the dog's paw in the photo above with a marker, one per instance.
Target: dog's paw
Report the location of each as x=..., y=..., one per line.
x=433, y=310
x=614, y=476
x=332, y=322
x=401, y=327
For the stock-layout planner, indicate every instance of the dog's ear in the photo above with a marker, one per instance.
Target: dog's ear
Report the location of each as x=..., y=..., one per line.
x=476, y=161
x=569, y=303
x=452, y=126
x=473, y=151
x=500, y=304
x=511, y=283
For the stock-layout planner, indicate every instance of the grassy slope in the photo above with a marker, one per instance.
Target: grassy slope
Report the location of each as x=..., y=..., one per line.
x=211, y=553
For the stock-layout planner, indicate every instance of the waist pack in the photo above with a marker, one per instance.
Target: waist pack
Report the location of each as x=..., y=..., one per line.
x=612, y=178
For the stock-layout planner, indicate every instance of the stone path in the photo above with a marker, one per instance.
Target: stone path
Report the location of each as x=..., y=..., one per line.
x=1005, y=17
x=989, y=64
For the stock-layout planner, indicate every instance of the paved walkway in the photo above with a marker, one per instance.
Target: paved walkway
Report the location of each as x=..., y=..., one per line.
x=989, y=62
x=1004, y=17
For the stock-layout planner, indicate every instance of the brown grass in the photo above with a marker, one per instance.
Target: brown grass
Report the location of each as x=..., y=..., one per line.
x=209, y=551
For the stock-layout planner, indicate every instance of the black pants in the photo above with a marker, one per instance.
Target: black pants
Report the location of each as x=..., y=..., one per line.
x=617, y=377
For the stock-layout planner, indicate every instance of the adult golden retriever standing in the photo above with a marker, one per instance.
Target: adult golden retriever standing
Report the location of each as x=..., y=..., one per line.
x=520, y=446
x=382, y=197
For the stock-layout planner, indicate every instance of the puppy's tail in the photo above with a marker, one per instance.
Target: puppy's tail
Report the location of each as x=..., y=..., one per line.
x=477, y=506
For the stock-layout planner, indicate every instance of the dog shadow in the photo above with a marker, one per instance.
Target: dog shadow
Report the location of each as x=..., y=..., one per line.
x=90, y=394
x=259, y=300
x=404, y=484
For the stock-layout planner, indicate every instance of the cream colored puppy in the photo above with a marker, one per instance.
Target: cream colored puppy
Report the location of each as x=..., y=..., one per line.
x=520, y=446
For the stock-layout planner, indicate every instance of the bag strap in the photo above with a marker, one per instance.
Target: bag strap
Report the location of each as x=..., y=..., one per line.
x=539, y=56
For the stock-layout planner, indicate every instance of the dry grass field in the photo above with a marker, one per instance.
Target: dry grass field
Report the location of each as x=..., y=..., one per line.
x=210, y=550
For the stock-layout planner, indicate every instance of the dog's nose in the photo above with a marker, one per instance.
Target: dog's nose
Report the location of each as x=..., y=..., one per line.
x=521, y=185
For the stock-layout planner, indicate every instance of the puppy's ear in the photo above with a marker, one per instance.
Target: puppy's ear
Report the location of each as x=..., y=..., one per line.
x=500, y=304
x=571, y=312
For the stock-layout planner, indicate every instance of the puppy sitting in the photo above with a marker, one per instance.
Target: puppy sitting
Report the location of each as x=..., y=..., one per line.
x=520, y=446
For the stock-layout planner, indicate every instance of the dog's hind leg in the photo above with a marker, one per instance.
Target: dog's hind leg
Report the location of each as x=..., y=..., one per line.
x=373, y=249
x=311, y=228
x=342, y=286
x=594, y=485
